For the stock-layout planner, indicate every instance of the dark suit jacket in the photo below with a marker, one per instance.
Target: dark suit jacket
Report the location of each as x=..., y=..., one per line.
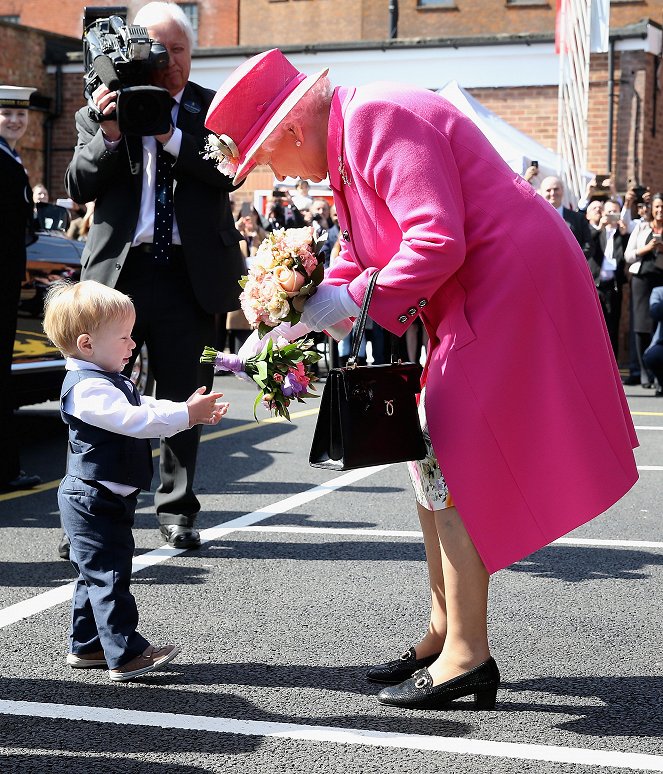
x=579, y=226
x=595, y=258
x=113, y=179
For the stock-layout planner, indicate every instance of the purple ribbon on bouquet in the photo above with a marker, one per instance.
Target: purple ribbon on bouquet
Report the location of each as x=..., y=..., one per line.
x=226, y=362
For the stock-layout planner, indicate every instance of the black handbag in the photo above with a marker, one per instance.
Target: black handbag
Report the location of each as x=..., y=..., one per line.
x=368, y=414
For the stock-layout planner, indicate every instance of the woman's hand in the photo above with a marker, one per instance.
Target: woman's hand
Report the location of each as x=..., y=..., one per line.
x=328, y=305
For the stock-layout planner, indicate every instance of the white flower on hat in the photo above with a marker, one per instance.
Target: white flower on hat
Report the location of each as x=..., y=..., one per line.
x=222, y=150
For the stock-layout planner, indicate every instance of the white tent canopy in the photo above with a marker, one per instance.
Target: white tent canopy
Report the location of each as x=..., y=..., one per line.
x=515, y=147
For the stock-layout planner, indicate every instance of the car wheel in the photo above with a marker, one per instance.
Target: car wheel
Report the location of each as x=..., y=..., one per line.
x=141, y=375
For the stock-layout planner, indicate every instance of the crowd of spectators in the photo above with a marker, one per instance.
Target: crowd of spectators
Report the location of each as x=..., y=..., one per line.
x=622, y=238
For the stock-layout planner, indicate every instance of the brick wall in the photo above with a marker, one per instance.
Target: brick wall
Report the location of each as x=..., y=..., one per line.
x=21, y=64
x=282, y=22
x=218, y=19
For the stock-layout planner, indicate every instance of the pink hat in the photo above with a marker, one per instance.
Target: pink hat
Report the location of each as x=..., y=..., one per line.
x=251, y=104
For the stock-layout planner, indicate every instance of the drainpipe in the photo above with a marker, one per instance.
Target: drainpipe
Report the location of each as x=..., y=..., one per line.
x=48, y=126
x=393, y=19
x=611, y=99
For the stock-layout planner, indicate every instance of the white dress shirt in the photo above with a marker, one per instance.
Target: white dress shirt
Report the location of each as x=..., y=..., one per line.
x=100, y=403
x=609, y=265
x=145, y=225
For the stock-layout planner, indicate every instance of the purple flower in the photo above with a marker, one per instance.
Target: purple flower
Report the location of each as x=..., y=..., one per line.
x=291, y=386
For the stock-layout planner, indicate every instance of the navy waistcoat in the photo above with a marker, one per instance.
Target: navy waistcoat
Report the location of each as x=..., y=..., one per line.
x=101, y=455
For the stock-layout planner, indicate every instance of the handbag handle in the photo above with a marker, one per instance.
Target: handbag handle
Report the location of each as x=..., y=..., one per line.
x=361, y=321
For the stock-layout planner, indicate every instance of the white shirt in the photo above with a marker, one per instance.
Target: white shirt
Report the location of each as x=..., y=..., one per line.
x=145, y=225
x=100, y=403
x=609, y=265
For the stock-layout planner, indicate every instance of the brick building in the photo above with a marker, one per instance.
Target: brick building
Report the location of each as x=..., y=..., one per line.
x=502, y=51
x=345, y=33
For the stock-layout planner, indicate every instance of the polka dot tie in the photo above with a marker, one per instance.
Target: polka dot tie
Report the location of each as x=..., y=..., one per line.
x=163, y=206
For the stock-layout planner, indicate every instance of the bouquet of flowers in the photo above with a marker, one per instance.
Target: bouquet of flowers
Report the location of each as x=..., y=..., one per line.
x=281, y=372
x=286, y=270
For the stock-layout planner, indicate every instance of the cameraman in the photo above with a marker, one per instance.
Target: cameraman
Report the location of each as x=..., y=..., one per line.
x=282, y=213
x=176, y=289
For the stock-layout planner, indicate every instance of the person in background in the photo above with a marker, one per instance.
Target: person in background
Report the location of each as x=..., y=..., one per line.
x=301, y=197
x=109, y=462
x=532, y=174
x=181, y=263
x=552, y=190
x=79, y=227
x=17, y=231
x=607, y=264
x=594, y=213
x=282, y=213
x=481, y=264
x=644, y=254
x=653, y=355
x=39, y=194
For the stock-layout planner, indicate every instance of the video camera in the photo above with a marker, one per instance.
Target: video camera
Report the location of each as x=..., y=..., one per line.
x=122, y=57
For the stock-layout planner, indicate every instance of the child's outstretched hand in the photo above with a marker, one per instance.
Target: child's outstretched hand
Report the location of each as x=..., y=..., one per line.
x=204, y=410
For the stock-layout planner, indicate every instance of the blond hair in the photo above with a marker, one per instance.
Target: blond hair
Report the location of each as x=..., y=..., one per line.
x=71, y=309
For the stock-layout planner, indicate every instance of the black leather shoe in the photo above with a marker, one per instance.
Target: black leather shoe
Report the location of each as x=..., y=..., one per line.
x=63, y=546
x=22, y=481
x=419, y=692
x=394, y=672
x=179, y=536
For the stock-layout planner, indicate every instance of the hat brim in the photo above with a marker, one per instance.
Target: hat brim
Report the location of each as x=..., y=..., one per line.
x=280, y=114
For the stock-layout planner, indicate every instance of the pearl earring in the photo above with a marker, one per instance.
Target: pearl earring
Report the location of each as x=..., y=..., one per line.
x=298, y=143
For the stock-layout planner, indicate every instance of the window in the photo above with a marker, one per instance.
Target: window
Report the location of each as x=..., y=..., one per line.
x=10, y=19
x=436, y=4
x=191, y=12
x=511, y=3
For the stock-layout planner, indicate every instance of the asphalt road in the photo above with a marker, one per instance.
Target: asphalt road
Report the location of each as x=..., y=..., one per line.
x=305, y=577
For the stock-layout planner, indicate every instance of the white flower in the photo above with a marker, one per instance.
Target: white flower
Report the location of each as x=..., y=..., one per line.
x=223, y=154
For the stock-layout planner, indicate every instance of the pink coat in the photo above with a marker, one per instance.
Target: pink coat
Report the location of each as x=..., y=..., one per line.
x=524, y=402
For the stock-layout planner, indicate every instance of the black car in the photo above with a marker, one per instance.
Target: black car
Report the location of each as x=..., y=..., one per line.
x=38, y=367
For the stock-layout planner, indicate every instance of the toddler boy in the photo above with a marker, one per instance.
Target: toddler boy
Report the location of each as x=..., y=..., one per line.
x=108, y=462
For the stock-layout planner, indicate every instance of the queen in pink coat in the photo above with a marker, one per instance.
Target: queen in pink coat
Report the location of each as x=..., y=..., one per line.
x=529, y=427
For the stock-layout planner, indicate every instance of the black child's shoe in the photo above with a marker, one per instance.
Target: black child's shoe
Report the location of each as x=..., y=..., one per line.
x=419, y=692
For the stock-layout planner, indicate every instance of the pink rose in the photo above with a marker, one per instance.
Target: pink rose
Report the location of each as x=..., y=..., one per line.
x=288, y=279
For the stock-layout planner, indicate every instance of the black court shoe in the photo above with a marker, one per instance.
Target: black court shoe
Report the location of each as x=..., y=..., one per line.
x=394, y=672
x=419, y=692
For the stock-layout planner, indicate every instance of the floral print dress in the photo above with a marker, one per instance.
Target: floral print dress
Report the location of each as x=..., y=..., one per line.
x=430, y=488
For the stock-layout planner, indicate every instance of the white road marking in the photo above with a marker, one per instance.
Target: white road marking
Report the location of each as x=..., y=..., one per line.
x=417, y=534
x=331, y=734
x=56, y=596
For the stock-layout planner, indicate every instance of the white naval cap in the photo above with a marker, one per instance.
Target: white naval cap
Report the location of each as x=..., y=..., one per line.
x=15, y=96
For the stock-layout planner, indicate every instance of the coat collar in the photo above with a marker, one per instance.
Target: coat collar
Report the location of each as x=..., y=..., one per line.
x=335, y=153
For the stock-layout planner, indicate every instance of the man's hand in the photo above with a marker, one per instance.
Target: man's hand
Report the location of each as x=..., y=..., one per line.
x=163, y=138
x=204, y=410
x=106, y=103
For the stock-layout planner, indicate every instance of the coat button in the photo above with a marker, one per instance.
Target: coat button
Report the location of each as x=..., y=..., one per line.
x=412, y=311
x=422, y=302
x=118, y=266
x=346, y=235
x=402, y=318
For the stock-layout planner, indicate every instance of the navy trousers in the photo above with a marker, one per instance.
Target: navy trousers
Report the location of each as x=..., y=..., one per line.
x=104, y=613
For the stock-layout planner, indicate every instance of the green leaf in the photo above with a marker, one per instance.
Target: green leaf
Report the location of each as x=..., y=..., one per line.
x=256, y=403
x=261, y=371
x=318, y=274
